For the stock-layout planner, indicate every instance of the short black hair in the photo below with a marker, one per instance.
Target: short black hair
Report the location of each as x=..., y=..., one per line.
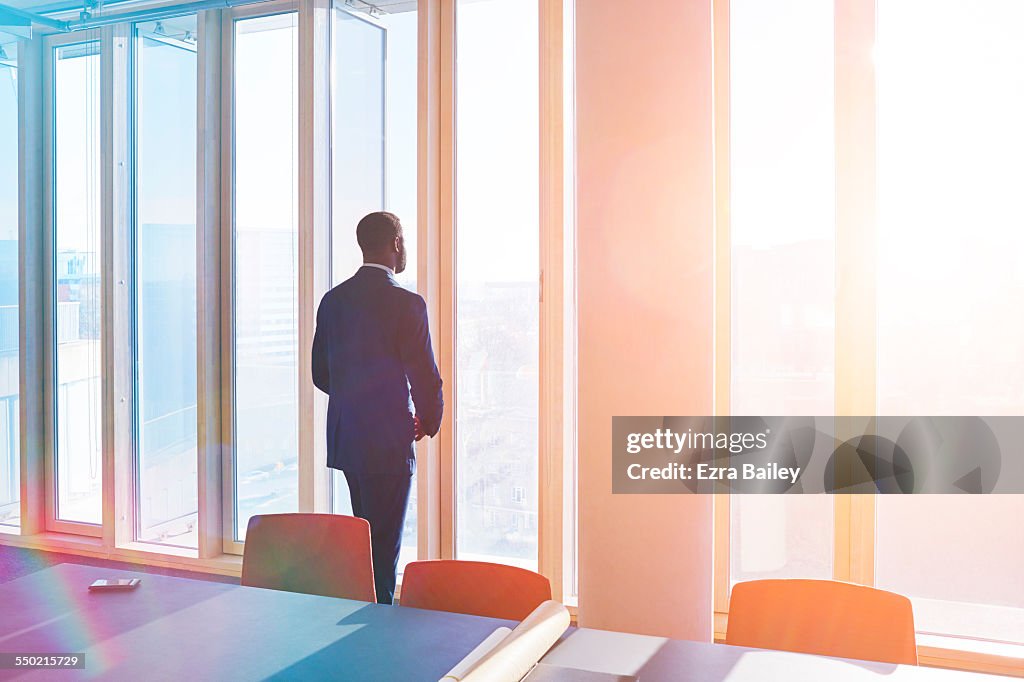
x=377, y=231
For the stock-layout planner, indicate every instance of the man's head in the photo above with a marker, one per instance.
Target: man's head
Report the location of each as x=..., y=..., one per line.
x=380, y=237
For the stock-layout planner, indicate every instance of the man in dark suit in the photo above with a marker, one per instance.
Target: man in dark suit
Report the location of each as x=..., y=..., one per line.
x=371, y=349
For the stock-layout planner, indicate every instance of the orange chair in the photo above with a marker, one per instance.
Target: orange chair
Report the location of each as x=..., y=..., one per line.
x=325, y=554
x=823, y=617
x=474, y=587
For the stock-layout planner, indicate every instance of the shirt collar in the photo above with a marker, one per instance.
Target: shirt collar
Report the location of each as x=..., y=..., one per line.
x=380, y=267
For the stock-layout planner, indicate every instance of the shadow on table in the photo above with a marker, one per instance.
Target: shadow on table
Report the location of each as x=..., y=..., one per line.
x=394, y=643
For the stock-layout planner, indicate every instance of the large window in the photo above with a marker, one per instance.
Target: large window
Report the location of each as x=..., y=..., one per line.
x=497, y=281
x=950, y=280
x=783, y=264
x=373, y=142
x=77, y=285
x=265, y=266
x=165, y=281
x=904, y=114
x=196, y=203
x=10, y=451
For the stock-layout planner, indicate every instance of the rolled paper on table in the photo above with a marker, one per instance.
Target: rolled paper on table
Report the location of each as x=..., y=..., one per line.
x=459, y=672
x=520, y=650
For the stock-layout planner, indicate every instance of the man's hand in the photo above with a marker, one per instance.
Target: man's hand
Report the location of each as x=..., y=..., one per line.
x=417, y=429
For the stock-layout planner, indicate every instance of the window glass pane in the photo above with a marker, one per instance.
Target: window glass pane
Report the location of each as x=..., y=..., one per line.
x=497, y=274
x=10, y=457
x=950, y=283
x=400, y=139
x=374, y=161
x=783, y=241
x=266, y=267
x=357, y=143
x=165, y=281
x=10, y=509
x=78, y=280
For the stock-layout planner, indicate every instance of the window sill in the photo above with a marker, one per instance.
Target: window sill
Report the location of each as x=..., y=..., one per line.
x=135, y=552
x=936, y=651
x=971, y=655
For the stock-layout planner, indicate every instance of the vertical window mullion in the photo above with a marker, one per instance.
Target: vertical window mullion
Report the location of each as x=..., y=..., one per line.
x=723, y=298
x=211, y=134
x=855, y=319
x=315, y=221
x=118, y=330
x=447, y=248
x=554, y=392
x=227, y=286
x=34, y=273
x=435, y=42
x=48, y=326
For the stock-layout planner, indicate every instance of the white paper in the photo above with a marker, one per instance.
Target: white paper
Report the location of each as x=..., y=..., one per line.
x=459, y=672
x=517, y=653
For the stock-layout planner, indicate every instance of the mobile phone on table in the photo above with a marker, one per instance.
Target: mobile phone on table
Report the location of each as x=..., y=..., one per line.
x=115, y=585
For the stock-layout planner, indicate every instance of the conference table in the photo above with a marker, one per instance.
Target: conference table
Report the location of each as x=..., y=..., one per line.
x=183, y=629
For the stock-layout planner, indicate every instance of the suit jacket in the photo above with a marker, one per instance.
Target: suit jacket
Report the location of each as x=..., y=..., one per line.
x=370, y=351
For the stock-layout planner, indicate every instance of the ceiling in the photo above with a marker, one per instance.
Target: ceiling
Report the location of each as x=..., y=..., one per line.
x=52, y=6
x=44, y=6
x=67, y=9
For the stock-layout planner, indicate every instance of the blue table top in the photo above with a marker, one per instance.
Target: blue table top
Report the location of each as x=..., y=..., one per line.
x=181, y=629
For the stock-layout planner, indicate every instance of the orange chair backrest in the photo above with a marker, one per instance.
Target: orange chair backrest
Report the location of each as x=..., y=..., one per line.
x=823, y=617
x=325, y=554
x=474, y=587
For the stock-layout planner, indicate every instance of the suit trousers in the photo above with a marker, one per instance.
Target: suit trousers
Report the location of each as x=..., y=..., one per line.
x=382, y=499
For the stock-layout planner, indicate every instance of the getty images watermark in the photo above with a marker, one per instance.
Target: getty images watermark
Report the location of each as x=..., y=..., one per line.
x=756, y=454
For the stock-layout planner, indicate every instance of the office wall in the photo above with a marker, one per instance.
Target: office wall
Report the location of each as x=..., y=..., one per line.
x=645, y=222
